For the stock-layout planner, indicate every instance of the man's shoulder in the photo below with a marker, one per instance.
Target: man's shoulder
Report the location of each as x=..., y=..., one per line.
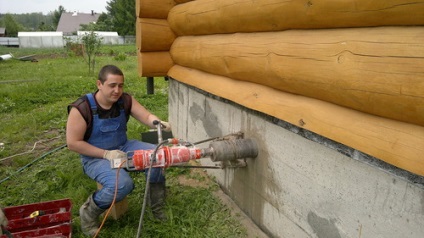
x=126, y=96
x=82, y=105
x=81, y=100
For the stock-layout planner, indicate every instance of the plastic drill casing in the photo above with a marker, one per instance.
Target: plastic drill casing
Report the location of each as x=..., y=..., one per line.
x=165, y=156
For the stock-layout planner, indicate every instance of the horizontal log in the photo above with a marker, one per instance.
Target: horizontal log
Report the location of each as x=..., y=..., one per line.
x=373, y=70
x=154, y=64
x=153, y=35
x=158, y=9
x=397, y=143
x=182, y=1
x=230, y=16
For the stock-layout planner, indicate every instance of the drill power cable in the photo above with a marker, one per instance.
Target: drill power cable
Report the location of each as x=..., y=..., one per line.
x=113, y=201
x=29, y=151
x=143, y=209
x=32, y=162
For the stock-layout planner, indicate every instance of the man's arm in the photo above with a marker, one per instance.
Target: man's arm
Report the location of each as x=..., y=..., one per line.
x=142, y=114
x=75, y=130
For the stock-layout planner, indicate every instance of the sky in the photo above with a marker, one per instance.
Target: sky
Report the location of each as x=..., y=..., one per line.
x=46, y=6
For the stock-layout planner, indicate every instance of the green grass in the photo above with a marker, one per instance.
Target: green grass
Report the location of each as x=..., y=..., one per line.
x=33, y=101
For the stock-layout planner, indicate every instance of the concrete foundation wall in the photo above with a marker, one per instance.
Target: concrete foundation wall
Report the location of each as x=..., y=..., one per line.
x=301, y=185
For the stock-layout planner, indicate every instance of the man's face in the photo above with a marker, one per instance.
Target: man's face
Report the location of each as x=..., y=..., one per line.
x=112, y=88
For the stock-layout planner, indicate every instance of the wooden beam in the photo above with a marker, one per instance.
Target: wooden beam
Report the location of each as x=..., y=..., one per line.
x=158, y=9
x=153, y=35
x=182, y=1
x=374, y=70
x=230, y=16
x=397, y=143
x=154, y=64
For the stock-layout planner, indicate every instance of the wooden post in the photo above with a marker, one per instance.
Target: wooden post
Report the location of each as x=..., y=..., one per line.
x=150, y=85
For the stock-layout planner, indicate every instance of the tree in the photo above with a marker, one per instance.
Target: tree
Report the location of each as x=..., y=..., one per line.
x=88, y=27
x=122, y=13
x=104, y=23
x=45, y=27
x=12, y=27
x=32, y=21
x=57, y=14
x=92, y=43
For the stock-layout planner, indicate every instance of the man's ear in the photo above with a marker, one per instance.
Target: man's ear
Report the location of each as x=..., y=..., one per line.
x=98, y=83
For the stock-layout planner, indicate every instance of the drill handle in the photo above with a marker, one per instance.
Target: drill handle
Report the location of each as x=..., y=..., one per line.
x=159, y=130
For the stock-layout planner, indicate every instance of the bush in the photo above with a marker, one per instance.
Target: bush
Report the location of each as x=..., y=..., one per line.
x=73, y=48
x=120, y=57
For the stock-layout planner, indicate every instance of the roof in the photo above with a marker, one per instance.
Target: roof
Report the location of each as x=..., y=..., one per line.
x=70, y=22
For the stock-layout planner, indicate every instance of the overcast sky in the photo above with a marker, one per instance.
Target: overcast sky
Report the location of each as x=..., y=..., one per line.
x=46, y=6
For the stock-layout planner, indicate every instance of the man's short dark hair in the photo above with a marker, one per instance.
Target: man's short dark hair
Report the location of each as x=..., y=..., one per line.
x=109, y=69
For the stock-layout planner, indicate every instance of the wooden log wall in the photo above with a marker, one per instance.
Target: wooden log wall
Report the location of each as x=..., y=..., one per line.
x=374, y=70
x=154, y=64
x=351, y=71
x=154, y=37
x=206, y=17
x=157, y=9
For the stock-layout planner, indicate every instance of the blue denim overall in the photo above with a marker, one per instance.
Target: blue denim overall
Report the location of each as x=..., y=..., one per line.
x=110, y=134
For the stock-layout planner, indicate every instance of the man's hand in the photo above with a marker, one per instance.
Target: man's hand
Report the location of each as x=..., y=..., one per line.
x=3, y=221
x=166, y=126
x=114, y=154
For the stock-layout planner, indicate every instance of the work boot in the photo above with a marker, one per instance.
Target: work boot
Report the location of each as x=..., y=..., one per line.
x=89, y=215
x=157, y=200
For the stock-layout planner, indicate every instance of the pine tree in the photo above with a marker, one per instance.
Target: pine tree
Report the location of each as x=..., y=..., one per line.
x=122, y=13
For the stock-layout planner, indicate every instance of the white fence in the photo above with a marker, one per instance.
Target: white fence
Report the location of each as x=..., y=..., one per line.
x=9, y=41
x=14, y=41
x=42, y=39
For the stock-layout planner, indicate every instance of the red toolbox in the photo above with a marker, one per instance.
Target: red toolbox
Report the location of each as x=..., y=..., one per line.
x=46, y=219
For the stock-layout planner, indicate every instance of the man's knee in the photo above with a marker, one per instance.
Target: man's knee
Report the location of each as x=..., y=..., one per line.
x=125, y=187
x=108, y=191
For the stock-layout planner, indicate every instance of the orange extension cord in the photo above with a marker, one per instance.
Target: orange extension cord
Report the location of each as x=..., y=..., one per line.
x=113, y=201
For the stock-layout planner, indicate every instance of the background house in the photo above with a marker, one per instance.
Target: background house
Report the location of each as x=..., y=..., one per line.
x=70, y=22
